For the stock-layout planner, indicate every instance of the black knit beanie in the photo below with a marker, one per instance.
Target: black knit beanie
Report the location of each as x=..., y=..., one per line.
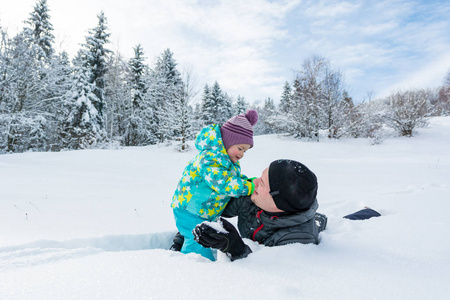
x=292, y=185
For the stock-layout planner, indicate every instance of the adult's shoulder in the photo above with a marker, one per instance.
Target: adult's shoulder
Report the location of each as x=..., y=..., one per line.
x=303, y=233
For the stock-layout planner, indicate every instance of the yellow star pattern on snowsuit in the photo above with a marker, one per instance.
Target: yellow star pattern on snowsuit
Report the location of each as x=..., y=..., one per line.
x=210, y=179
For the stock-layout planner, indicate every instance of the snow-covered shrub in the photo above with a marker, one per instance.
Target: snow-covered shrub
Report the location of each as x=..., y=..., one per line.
x=407, y=110
x=21, y=132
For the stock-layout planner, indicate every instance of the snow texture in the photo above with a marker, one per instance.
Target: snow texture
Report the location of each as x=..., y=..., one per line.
x=217, y=226
x=96, y=224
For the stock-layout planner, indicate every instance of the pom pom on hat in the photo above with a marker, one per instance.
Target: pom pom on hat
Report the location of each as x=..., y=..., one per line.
x=239, y=129
x=252, y=116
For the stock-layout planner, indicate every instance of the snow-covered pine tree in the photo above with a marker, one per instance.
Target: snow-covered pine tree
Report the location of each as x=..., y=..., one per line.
x=6, y=90
x=197, y=119
x=292, y=116
x=22, y=74
x=216, y=106
x=300, y=122
x=167, y=90
x=241, y=105
x=312, y=103
x=82, y=129
x=264, y=113
x=137, y=133
x=225, y=109
x=22, y=89
x=207, y=107
x=58, y=83
x=95, y=58
x=350, y=117
x=286, y=103
x=138, y=71
x=4, y=51
x=42, y=28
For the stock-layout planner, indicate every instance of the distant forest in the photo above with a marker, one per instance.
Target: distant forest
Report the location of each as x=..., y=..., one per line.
x=98, y=99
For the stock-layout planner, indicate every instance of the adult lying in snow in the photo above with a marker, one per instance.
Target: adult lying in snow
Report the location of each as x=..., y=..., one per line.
x=282, y=210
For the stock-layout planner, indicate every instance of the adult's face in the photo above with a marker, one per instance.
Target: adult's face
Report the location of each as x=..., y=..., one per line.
x=261, y=196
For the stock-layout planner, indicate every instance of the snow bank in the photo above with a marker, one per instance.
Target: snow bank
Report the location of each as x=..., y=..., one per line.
x=95, y=224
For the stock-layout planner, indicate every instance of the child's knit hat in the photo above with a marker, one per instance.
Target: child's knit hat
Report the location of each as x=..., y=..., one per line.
x=239, y=130
x=293, y=186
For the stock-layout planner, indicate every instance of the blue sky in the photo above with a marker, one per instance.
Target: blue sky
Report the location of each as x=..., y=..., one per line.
x=252, y=47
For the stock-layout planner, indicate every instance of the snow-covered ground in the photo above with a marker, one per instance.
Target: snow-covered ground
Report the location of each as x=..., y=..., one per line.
x=96, y=224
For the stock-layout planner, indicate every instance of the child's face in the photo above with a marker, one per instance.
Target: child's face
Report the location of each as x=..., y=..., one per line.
x=261, y=196
x=236, y=152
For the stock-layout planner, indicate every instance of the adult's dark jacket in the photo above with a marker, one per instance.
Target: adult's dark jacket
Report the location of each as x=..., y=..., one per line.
x=273, y=229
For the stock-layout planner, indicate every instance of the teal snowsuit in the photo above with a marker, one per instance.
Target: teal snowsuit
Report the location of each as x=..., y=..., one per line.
x=208, y=182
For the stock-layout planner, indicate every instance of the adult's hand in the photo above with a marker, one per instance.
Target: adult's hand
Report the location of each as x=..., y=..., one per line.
x=228, y=240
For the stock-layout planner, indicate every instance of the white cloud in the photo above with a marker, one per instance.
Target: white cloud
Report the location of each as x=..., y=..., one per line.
x=325, y=9
x=380, y=28
x=376, y=44
x=251, y=47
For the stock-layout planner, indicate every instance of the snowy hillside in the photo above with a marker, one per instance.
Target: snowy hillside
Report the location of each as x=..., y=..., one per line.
x=96, y=224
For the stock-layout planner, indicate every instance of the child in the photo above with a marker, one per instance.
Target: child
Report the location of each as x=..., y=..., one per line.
x=213, y=177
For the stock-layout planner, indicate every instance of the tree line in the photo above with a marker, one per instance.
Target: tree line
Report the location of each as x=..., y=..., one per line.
x=49, y=102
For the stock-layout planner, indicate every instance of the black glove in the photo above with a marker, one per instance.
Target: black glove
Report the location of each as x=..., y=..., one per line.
x=230, y=242
x=178, y=241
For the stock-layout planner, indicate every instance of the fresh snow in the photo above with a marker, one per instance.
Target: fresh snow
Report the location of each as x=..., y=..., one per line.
x=96, y=224
x=217, y=226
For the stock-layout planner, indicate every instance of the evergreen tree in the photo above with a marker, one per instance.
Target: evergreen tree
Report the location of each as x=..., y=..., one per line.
x=225, y=109
x=216, y=106
x=207, y=107
x=350, y=117
x=95, y=58
x=314, y=103
x=22, y=74
x=30, y=87
x=292, y=115
x=197, y=119
x=188, y=119
x=218, y=99
x=286, y=99
x=42, y=28
x=301, y=124
x=21, y=126
x=264, y=113
x=241, y=106
x=4, y=58
x=137, y=132
x=58, y=84
x=81, y=129
x=167, y=90
x=138, y=71
x=269, y=104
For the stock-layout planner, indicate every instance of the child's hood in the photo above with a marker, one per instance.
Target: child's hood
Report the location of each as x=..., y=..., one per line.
x=209, y=138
